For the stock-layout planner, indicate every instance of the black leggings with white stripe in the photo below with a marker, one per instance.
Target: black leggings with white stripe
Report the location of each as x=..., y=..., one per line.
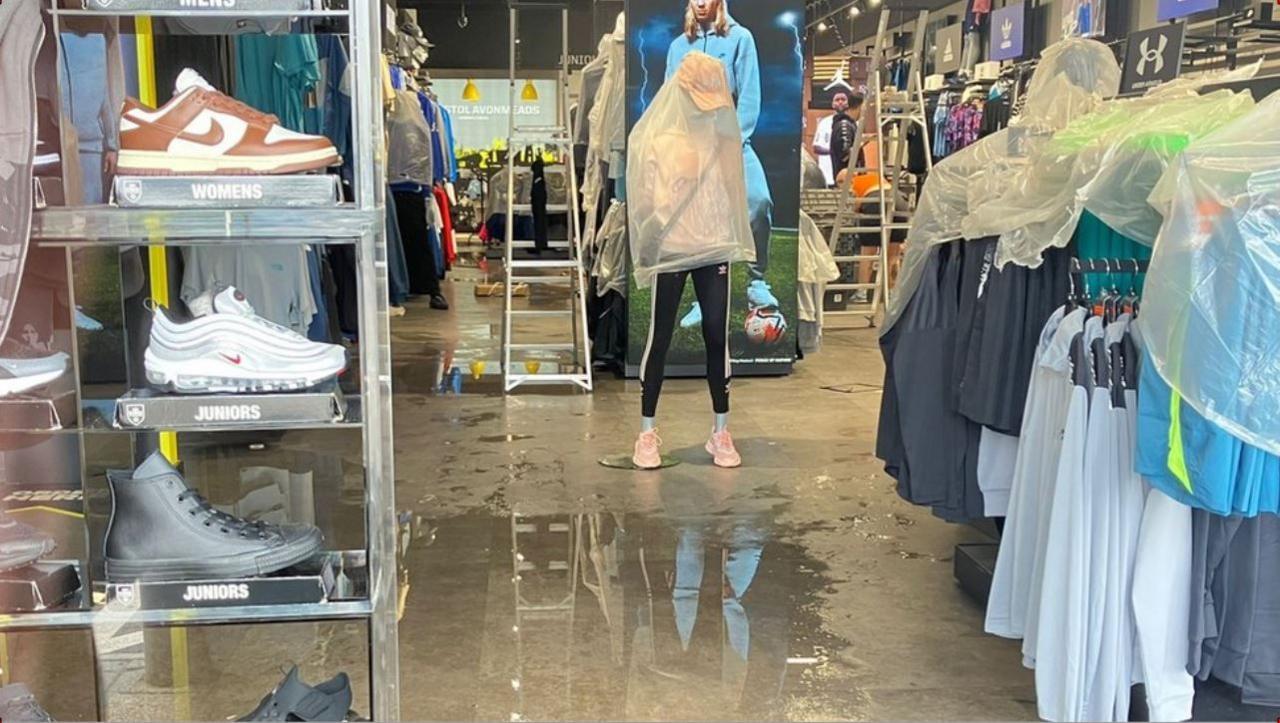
x=711, y=285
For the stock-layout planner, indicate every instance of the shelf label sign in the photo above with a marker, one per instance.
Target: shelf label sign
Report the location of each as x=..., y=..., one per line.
x=1171, y=9
x=1008, y=31
x=946, y=55
x=1152, y=57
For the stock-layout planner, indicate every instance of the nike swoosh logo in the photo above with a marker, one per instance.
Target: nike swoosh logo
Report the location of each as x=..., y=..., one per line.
x=212, y=137
x=233, y=359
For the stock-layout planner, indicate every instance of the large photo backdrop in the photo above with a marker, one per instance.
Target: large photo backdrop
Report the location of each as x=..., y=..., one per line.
x=773, y=180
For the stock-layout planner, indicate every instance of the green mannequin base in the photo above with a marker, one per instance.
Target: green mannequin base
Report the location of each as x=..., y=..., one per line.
x=623, y=461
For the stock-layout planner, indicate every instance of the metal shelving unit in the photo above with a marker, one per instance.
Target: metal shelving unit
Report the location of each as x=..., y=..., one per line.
x=111, y=226
x=360, y=223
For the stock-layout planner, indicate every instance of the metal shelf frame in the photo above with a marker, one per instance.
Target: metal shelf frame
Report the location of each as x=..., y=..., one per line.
x=361, y=223
x=111, y=226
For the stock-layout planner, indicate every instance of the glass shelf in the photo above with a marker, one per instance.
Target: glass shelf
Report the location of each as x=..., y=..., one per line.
x=170, y=9
x=54, y=619
x=112, y=226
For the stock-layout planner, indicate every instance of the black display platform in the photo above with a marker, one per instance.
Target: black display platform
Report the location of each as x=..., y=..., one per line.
x=306, y=583
x=40, y=586
x=974, y=566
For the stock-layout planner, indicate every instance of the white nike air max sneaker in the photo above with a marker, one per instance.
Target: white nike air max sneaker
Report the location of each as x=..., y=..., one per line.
x=23, y=375
x=229, y=348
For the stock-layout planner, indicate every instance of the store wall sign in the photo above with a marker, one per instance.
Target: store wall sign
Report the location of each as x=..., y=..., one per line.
x=1171, y=9
x=1008, y=32
x=946, y=55
x=1152, y=57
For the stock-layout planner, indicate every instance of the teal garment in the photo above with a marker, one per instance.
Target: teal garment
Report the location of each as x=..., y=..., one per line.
x=1096, y=240
x=278, y=74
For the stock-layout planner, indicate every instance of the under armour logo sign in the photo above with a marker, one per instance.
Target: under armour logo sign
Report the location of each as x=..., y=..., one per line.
x=1151, y=55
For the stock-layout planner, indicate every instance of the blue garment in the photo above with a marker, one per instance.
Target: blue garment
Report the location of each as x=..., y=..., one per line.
x=397, y=265
x=335, y=111
x=449, y=156
x=1226, y=476
x=736, y=51
x=319, y=328
x=433, y=238
x=438, y=169
x=84, y=98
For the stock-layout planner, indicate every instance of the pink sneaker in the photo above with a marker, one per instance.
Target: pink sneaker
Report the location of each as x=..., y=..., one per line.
x=647, y=455
x=721, y=448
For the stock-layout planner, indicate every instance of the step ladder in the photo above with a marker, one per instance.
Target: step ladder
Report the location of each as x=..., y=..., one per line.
x=886, y=117
x=545, y=563
x=523, y=362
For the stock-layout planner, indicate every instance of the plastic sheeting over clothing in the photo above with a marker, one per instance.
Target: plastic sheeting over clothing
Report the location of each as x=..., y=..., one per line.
x=1128, y=172
x=409, y=142
x=1211, y=313
x=688, y=196
x=610, y=267
x=1072, y=79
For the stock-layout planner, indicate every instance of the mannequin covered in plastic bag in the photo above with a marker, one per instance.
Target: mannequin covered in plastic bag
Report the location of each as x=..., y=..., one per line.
x=688, y=217
x=710, y=29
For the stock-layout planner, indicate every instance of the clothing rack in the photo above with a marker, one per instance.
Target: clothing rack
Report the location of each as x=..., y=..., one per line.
x=1109, y=266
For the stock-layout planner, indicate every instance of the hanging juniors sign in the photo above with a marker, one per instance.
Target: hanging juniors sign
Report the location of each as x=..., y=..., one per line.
x=761, y=49
x=1152, y=57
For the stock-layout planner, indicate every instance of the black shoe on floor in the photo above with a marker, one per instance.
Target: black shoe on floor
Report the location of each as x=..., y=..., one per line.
x=294, y=700
x=18, y=704
x=160, y=529
x=21, y=544
x=439, y=302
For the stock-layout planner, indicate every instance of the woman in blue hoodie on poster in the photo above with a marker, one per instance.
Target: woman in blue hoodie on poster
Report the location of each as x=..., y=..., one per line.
x=709, y=28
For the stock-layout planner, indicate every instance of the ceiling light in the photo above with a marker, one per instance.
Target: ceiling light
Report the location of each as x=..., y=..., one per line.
x=822, y=26
x=470, y=92
x=873, y=3
x=853, y=11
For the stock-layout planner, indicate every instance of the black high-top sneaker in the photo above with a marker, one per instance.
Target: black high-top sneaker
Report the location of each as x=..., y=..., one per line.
x=160, y=529
x=21, y=544
x=18, y=704
x=295, y=700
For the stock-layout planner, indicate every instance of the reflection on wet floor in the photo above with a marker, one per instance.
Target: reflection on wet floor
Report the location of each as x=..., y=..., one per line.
x=549, y=587
x=625, y=616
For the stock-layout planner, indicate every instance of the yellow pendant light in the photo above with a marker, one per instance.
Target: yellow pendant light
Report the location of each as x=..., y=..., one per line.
x=470, y=92
x=529, y=93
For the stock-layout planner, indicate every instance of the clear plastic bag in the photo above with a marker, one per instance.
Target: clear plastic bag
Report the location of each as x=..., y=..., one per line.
x=1127, y=174
x=610, y=267
x=1211, y=304
x=1042, y=205
x=817, y=264
x=685, y=187
x=408, y=141
x=1072, y=78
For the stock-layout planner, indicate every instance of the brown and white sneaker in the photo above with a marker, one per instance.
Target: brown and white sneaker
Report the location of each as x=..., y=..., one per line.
x=203, y=132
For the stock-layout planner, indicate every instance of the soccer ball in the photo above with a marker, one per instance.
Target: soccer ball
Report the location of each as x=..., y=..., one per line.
x=765, y=326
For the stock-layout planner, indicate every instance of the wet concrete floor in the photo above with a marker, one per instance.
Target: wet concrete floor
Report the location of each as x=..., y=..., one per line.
x=545, y=586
